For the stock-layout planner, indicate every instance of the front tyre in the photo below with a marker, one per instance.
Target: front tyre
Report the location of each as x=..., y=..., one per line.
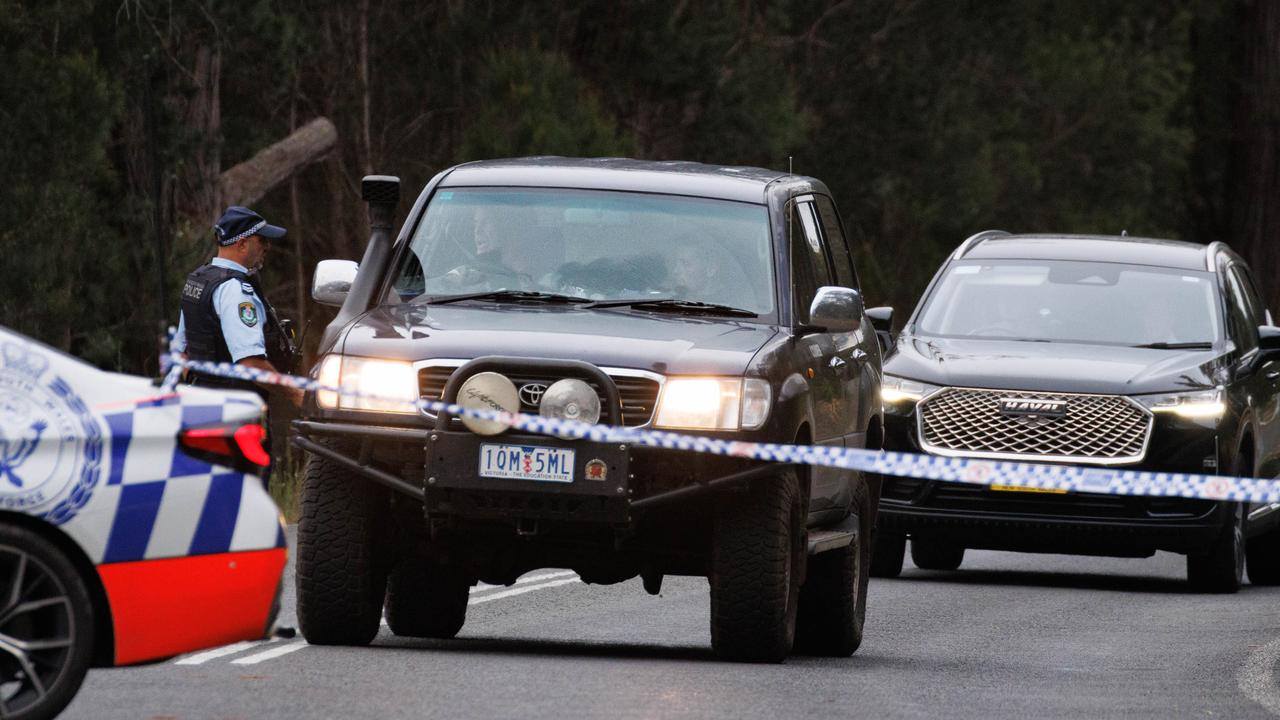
x=46, y=627
x=757, y=561
x=930, y=554
x=887, y=553
x=833, y=600
x=426, y=599
x=1220, y=568
x=342, y=573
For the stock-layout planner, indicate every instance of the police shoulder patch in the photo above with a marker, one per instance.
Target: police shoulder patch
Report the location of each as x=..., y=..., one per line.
x=246, y=287
x=248, y=314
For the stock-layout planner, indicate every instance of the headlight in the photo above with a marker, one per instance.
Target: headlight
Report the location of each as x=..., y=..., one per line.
x=897, y=391
x=1197, y=405
x=393, y=384
x=708, y=403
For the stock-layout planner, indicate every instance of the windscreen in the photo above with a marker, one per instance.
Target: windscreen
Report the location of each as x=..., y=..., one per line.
x=1089, y=302
x=591, y=244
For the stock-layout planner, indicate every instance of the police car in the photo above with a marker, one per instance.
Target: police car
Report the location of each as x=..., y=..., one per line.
x=133, y=523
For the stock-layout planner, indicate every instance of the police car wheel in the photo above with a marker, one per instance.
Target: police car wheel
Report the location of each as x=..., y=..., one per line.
x=342, y=569
x=426, y=600
x=759, y=549
x=46, y=626
x=833, y=599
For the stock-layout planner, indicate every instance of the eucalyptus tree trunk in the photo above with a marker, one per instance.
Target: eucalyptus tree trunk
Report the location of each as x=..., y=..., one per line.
x=1254, y=185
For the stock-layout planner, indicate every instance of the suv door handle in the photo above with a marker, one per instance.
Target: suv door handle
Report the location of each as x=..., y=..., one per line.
x=1273, y=374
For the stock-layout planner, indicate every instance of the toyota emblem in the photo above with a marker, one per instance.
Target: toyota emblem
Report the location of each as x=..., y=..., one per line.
x=531, y=393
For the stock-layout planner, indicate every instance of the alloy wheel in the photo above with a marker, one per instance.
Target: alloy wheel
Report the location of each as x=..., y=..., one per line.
x=37, y=631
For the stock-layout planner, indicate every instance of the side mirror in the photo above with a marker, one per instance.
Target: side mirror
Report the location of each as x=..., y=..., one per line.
x=1269, y=338
x=882, y=320
x=332, y=281
x=836, y=309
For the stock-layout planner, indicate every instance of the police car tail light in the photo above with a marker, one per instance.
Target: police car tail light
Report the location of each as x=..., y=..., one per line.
x=238, y=446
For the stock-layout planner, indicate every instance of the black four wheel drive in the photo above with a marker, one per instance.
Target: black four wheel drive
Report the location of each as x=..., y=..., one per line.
x=1113, y=352
x=712, y=301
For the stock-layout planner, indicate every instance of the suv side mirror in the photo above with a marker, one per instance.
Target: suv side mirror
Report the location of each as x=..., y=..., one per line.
x=332, y=281
x=882, y=320
x=1269, y=338
x=836, y=309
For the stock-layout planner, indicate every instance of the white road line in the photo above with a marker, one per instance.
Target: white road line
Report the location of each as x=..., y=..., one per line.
x=520, y=591
x=274, y=652
x=482, y=587
x=206, y=656
x=1256, y=677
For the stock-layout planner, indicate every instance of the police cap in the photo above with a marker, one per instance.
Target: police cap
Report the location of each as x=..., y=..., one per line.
x=241, y=222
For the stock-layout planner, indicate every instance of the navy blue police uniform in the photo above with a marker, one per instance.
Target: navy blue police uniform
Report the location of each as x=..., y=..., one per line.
x=225, y=315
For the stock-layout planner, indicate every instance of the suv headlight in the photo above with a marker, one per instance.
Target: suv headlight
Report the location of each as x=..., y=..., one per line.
x=710, y=403
x=392, y=384
x=896, y=391
x=1197, y=404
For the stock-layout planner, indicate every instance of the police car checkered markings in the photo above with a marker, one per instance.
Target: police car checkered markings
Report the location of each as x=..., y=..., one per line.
x=928, y=467
x=95, y=456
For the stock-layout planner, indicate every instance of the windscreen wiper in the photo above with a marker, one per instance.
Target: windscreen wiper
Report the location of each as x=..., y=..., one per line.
x=1176, y=345
x=673, y=305
x=508, y=295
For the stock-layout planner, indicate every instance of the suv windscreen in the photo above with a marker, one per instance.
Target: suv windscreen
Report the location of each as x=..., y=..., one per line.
x=1087, y=302
x=597, y=245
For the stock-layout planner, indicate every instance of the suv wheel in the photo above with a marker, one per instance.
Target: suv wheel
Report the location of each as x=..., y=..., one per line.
x=931, y=554
x=887, y=552
x=342, y=575
x=757, y=560
x=426, y=600
x=1262, y=558
x=46, y=626
x=833, y=600
x=1220, y=568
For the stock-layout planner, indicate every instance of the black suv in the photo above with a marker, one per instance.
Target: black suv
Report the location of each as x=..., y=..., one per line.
x=1111, y=351
x=713, y=301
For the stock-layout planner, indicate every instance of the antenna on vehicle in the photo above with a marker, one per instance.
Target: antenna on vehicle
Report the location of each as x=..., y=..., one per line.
x=1124, y=233
x=789, y=171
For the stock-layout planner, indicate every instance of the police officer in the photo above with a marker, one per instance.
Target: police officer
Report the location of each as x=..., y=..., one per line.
x=225, y=316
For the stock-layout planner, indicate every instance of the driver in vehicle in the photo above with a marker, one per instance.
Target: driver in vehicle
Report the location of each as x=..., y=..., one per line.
x=495, y=261
x=698, y=273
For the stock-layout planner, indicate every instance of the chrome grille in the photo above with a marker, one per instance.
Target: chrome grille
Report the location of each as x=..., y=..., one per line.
x=1096, y=429
x=639, y=395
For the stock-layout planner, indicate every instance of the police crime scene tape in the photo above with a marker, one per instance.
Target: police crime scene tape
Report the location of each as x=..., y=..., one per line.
x=1008, y=474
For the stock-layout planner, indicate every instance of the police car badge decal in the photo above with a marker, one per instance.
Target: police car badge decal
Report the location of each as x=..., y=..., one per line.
x=51, y=446
x=248, y=314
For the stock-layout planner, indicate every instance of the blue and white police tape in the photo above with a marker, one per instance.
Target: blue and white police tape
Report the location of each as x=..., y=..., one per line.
x=1037, y=476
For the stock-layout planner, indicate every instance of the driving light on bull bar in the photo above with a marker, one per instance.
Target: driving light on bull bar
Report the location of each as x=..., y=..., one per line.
x=570, y=399
x=368, y=384
x=491, y=392
x=705, y=403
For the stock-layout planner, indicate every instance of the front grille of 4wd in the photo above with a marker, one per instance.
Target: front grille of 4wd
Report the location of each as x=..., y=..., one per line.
x=639, y=395
x=1096, y=429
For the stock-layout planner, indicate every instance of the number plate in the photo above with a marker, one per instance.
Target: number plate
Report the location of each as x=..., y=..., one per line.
x=526, y=462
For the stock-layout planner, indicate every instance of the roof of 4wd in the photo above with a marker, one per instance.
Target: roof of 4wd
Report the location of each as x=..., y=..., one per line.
x=1097, y=248
x=742, y=184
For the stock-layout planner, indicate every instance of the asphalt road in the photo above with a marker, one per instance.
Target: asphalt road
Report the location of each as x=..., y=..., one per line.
x=1007, y=635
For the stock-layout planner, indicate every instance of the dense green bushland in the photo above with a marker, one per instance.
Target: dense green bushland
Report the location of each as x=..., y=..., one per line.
x=929, y=120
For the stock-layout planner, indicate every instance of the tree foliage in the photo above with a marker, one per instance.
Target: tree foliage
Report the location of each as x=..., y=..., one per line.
x=929, y=121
